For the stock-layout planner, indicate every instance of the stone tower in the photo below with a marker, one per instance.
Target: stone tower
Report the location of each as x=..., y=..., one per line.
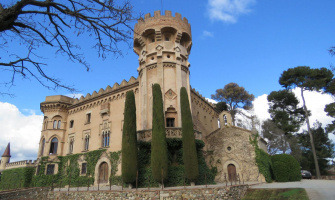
x=163, y=44
x=5, y=158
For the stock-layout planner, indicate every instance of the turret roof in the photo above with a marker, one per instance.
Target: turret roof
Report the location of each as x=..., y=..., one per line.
x=7, y=151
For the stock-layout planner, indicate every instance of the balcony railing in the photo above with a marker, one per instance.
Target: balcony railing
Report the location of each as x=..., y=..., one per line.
x=146, y=135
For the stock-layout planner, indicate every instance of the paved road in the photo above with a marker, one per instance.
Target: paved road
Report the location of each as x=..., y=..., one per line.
x=316, y=189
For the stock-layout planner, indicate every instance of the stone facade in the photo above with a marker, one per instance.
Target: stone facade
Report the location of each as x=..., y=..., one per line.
x=163, y=44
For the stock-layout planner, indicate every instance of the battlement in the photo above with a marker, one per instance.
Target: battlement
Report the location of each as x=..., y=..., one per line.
x=21, y=164
x=159, y=21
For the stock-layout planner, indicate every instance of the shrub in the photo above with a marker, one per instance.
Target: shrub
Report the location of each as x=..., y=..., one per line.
x=129, y=140
x=159, y=158
x=285, y=168
x=189, y=148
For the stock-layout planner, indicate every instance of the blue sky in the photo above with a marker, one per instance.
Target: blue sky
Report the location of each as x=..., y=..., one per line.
x=249, y=42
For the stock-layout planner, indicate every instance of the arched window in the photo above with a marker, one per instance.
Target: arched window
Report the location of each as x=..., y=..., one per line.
x=87, y=141
x=71, y=146
x=105, y=139
x=59, y=123
x=55, y=124
x=42, y=147
x=225, y=119
x=53, y=146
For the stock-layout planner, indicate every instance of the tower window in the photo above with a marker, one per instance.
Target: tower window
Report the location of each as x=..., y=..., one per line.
x=105, y=139
x=153, y=40
x=59, y=123
x=88, y=117
x=169, y=122
x=167, y=38
x=53, y=146
x=55, y=124
x=83, y=168
x=71, y=123
x=50, y=169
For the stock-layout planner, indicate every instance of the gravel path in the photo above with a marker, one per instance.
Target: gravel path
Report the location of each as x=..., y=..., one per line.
x=316, y=189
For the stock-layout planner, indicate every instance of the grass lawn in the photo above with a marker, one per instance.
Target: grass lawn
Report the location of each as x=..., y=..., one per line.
x=276, y=194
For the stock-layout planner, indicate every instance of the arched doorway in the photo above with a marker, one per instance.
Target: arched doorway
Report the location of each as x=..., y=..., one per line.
x=231, y=172
x=103, y=173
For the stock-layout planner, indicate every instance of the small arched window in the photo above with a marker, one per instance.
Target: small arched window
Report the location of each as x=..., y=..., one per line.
x=59, y=123
x=71, y=146
x=105, y=139
x=55, y=124
x=53, y=146
x=87, y=141
x=225, y=119
x=42, y=147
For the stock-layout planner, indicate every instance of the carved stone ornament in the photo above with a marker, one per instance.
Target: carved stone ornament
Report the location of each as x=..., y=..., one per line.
x=177, y=49
x=170, y=94
x=144, y=52
x=159, y=47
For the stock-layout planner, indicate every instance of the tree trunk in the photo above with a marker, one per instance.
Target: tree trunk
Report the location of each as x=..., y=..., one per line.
x=311, y=137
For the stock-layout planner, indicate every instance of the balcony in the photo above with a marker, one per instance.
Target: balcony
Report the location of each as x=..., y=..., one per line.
x=145, y=135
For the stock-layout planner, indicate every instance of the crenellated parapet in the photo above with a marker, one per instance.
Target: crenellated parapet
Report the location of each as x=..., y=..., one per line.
x=21, y=164
x=203, y=103
x=161, y=21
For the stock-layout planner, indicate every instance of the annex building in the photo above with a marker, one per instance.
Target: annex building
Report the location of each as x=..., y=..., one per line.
x=163, y=44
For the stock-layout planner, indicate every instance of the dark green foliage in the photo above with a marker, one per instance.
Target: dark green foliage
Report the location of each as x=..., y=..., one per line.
x=176, y=165
x=324, y=148
x=285, y=168
x=17, y=178
x=330, y=110
x=129, y=140
x=189, y=150
x=236, y=97
x=221, y=106
x=159, y=158
x=285, y=112
x=263, y=160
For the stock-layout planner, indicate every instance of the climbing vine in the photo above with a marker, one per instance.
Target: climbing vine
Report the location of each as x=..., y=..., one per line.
x=263, y=160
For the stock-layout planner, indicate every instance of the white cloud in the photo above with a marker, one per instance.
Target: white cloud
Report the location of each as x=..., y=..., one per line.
x=23, y=132
x=207, y=34
x=315, y=102
x=75, y=95
x=228, y=10
x=211, y=100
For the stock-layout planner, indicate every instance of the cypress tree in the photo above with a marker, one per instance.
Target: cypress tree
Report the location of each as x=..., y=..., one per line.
x=189, y=148
x=129, y=140
x=159, y=159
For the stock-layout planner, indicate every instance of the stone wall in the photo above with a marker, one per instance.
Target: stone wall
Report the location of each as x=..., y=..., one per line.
x=230, y=145
x=31, y=193
x=232, y=192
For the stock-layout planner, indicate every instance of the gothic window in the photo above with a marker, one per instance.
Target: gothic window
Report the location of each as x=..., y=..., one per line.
x=55, y=124
x=53, y=146
x=105, y=139
x=88, y=117
x=83, y=168
x=59, y=123
x=225, y=119
x=42, y=147
x=50, y=169
x=169, y=122
x=87, y=140
x=71, y=145
x=71, y=123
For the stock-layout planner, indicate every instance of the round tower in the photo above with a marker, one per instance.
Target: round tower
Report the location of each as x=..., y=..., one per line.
x=163, y=44
x=5, y=158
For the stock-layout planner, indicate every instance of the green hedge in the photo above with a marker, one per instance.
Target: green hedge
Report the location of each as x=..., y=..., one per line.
x=285, y=168
x=17, y=178
x=159, y=159
x=129, y=140
x=189, y=150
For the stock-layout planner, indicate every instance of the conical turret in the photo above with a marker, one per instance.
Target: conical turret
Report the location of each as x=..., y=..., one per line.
x=5, y=158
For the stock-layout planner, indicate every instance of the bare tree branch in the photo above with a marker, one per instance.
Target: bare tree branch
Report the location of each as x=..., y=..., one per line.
x=36, y=23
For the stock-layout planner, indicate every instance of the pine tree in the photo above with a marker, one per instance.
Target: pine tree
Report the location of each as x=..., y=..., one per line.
x=189, y=148
x=159, y=159
x=129, y=140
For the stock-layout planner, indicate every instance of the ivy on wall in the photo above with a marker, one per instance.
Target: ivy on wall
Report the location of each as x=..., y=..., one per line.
x=263, y=160
x=16, y=178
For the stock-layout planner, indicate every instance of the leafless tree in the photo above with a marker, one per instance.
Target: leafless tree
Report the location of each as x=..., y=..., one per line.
x=52, y=23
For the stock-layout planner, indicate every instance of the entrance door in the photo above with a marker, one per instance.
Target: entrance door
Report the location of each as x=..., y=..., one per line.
x=231, y=172
x=103, y=173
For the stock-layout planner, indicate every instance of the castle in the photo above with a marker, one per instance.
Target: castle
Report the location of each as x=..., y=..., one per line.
x=163, y=44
